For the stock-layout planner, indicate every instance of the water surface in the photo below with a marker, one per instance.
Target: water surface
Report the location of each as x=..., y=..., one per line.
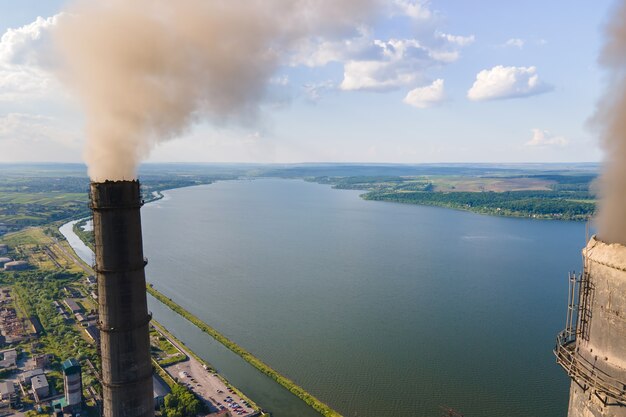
x=376, y=308
x=83, y=251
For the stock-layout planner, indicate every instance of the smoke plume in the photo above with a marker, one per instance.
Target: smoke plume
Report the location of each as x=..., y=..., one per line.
x=146, y=69
x=611, y=119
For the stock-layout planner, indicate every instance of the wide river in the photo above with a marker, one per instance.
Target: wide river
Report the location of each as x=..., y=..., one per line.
x=376, y=308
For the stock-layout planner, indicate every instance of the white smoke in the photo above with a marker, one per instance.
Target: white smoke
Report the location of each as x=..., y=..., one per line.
x=146, y=69
x=611, y=119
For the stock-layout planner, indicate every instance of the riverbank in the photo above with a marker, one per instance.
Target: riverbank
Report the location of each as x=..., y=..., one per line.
x=562, y=196
x=200, y=376
x=195, y=365
x=295, y=389
x=77, y=243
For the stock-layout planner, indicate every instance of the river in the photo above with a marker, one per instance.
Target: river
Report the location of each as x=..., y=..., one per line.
x=83, y=251
x=253, y=383
x=376, y=308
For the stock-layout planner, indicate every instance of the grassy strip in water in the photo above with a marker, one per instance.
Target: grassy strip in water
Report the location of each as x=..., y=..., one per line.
x=295, y=389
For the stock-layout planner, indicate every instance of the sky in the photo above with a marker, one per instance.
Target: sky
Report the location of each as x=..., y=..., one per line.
x=422, y=82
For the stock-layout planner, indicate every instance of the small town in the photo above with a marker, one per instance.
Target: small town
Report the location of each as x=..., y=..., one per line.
x=40, y=375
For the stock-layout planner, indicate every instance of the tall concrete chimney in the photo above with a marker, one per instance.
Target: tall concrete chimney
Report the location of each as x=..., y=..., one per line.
x=592, y=348
x=123, y=311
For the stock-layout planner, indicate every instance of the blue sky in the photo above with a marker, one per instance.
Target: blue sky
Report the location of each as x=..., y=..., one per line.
x=405, y=88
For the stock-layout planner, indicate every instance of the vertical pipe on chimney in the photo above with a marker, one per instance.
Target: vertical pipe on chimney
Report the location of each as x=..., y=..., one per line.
x=123, y=311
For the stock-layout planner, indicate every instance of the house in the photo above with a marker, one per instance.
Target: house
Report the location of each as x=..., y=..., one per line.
x=27, y=376
x=9, y=358
x=93, y=333
x=41, y=389
x=7, y=392
x=72, y=305
x=160, y=390
x=16, y=266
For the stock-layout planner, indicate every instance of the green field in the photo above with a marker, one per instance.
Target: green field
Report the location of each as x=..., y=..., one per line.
x=562, y=196
x=39, y=195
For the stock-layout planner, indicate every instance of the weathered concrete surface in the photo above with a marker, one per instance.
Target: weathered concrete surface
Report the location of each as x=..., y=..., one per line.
x=123, y=311
x=605, y=347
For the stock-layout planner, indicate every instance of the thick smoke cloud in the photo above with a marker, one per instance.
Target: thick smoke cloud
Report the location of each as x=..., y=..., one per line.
x=611, y=119
x=146, y=69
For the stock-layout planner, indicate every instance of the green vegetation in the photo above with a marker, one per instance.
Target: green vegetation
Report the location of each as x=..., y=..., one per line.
x=207, y=366
x=563, y=196
x=376, y=183
x=40, y=195
x=536, y=204
x=42, y=248
x=85, y=235
x=164, y=352
x=295, y=389
x=181, y=403
x=35, y=292
x=23, y=208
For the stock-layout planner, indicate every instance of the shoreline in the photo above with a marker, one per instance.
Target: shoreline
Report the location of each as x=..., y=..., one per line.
x=161, y=328
x=287, y=383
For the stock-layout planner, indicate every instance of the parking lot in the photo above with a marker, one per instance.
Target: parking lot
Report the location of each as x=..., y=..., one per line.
x=209, y=387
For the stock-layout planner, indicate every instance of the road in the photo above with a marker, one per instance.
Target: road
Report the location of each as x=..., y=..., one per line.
x=205, y=383
x=71, y=255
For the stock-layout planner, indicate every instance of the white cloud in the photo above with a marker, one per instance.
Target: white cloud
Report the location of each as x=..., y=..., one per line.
x=428, y=96
x=375, y=75
x=416, y=9
x=26, y=60
x=29, y=44
x=34, y=128
x=515, y=42
x=457, y=39
x=400, y=62
x=383, y=64
x=319, y=52
x=506, y=82
x=543, y=138
x=314, y=91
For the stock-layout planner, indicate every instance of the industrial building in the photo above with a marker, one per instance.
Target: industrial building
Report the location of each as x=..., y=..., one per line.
x=27, y=376
x=73, y=389
x=72, y=383
x=592, y=348
x=16, y=266
x=161, y=389
x=123, y=313
x=40, y=386
x=7, y=392
x=9, y=358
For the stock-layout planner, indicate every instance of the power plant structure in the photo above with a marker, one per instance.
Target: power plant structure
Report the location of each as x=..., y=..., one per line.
x=123, y=311
x=592, y=348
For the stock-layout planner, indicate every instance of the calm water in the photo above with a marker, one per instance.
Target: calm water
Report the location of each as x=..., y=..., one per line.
x=82, y=250
x=376, y=308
